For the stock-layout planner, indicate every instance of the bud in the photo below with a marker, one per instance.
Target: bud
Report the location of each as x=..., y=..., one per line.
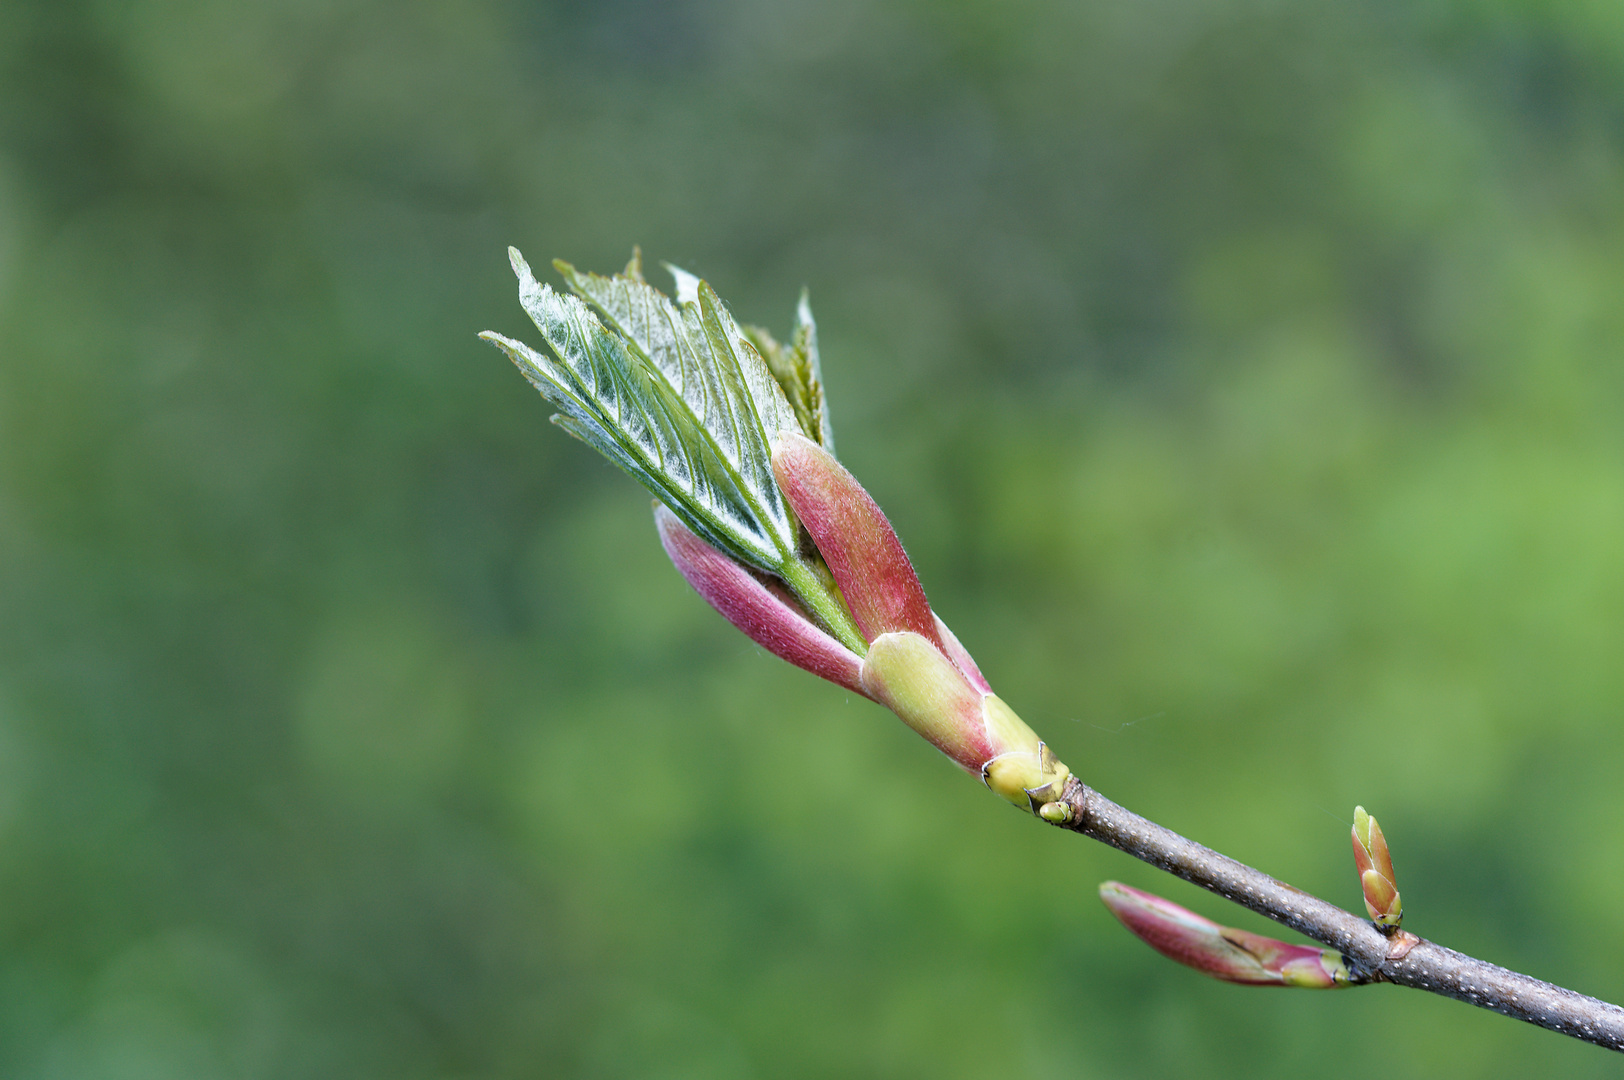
x=1222, y=952
x=730, y=431
x=1375, y=866
x=676, y=395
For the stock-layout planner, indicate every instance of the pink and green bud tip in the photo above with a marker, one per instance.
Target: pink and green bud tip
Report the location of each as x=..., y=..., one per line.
x=1222, y=952
x=730, y=431
x=1375, y=866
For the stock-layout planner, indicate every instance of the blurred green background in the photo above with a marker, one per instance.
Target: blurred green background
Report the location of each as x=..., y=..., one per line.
x=1243, y=377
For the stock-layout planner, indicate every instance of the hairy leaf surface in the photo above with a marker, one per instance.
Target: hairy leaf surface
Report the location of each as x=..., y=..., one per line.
x=670, y=396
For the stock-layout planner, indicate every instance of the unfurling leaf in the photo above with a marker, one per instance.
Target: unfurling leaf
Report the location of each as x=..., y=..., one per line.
x=730, y=431
x=798, y=371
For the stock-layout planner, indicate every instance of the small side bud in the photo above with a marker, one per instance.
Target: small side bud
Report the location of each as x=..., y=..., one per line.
x=1375, y=866
x=1222, y=952
x=1056, y=813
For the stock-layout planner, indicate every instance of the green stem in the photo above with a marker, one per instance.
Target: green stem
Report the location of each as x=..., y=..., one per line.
x=822, y=598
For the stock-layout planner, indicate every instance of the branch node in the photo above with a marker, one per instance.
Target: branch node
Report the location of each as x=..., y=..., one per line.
x=1400, y=942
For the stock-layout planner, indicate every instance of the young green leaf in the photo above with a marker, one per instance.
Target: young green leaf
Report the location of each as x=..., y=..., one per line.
x=701, y=351
x=702, y=446
x=797, y=370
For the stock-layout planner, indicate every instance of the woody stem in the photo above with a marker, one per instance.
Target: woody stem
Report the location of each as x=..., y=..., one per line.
x=1426, y=966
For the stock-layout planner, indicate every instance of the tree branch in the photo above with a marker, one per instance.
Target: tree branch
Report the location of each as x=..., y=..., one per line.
x=706, y=424
x=1371, y=955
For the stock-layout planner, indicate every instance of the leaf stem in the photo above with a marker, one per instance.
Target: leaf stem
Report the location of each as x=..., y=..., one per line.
x=815, y=587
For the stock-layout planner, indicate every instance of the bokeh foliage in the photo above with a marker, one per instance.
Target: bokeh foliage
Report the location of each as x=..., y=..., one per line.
x=1244, y=377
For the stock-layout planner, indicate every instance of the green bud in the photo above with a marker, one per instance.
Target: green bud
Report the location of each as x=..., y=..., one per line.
x=1375, y=866
x=1056, y=813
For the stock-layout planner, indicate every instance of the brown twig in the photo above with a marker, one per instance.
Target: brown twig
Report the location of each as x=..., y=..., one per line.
x=1371, y=955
